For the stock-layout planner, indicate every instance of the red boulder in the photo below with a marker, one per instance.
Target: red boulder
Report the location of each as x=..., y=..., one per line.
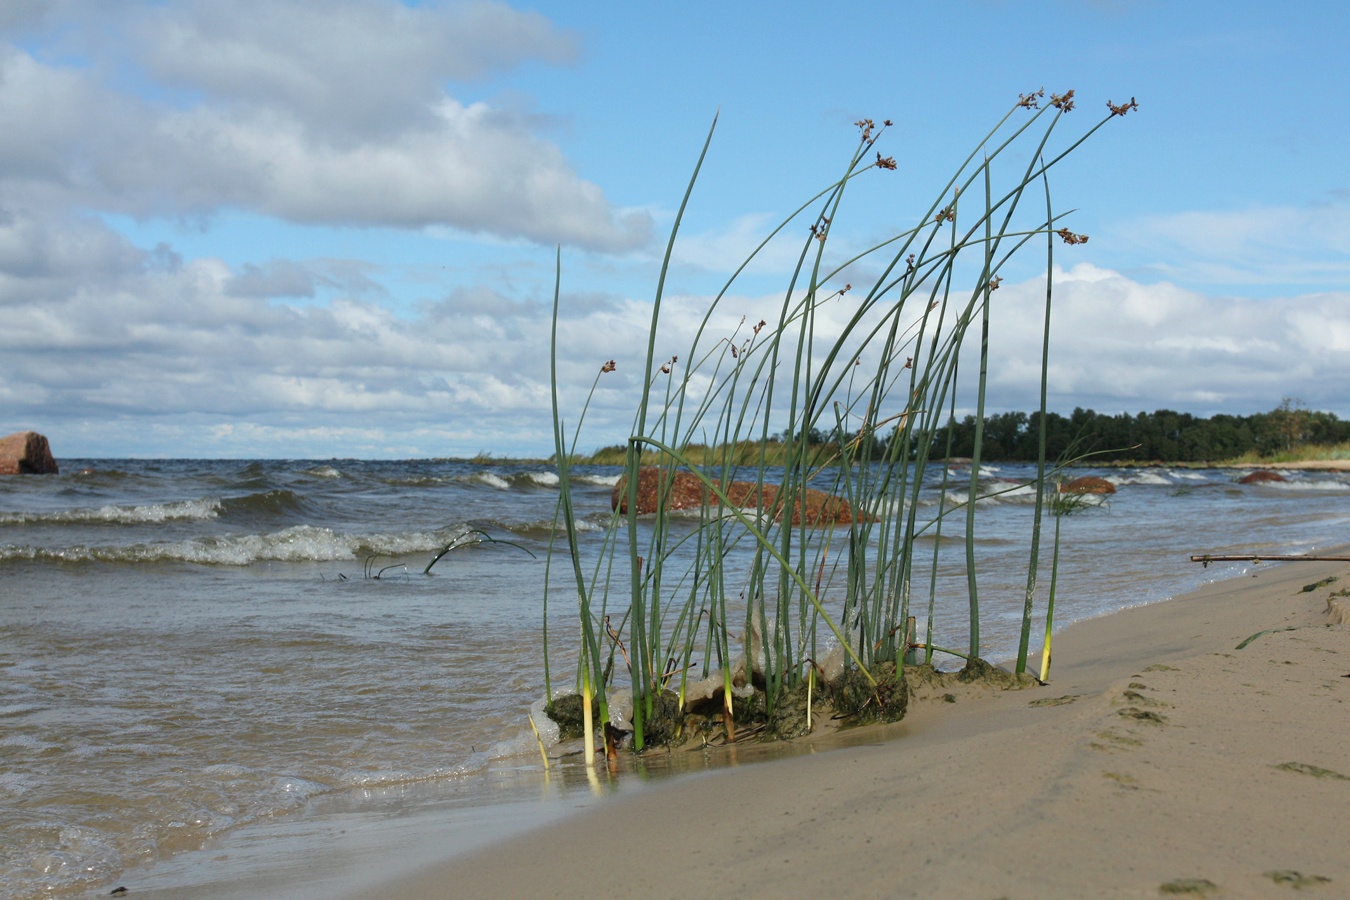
x=26, y=453
x=1088, y=484
x=1260, y=477
x=688, y=492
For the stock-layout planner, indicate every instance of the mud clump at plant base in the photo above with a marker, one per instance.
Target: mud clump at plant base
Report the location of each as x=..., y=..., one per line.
x=568, y=712
x=788, y=719
x=851, y=700
x=859, y=702
x=664, y=725
x=978, y=678
x=977, y=670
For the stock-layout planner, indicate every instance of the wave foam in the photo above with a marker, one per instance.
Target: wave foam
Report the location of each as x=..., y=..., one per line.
x=207, y=508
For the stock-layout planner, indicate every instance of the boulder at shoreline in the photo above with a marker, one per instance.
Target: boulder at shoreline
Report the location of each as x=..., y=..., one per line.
x=26, y=453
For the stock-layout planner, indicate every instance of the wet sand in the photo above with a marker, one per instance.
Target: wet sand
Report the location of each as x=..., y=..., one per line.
x=1161, y=760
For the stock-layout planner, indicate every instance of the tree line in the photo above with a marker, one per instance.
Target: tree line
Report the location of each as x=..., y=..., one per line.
x=1162, y=436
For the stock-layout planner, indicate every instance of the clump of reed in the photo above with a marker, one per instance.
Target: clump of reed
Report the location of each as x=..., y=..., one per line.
x=759, y=595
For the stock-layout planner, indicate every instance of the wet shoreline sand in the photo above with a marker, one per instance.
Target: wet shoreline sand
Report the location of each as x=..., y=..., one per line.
x=1159, y=760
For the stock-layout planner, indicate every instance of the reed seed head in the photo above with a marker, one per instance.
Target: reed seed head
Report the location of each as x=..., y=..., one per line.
x=1032, y=100
x=1123, y=108
x=608, y=367
x=1071, y=238
x=886, y=162
x=995, y=282
x=1062, y=102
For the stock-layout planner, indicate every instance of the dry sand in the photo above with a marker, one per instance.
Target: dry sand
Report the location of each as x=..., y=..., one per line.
x=1161, y=761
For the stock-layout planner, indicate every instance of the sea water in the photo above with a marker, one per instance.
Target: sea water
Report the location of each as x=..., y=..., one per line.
x=189, y=648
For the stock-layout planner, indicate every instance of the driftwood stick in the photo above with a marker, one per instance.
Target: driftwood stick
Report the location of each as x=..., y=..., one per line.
x=1206, y=559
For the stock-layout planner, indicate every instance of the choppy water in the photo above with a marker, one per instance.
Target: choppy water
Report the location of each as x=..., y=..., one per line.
x=190, y=646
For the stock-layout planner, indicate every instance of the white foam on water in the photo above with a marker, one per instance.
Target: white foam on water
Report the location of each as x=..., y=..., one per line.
x=493, y=480
x=1154, y=478
x=1330, y=485
x=18, y=709
x=605, y=480
x=207, y=508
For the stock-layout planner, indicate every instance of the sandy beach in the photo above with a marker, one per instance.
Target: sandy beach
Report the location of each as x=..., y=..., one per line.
x=1161, y=760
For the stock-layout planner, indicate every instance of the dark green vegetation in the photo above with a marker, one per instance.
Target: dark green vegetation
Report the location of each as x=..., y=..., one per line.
x=1160, y=436
x=1287, y=432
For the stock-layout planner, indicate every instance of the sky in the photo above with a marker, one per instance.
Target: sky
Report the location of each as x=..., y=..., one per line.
x=331, y=228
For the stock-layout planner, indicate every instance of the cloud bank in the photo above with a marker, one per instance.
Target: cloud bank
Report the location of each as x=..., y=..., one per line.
x=390, y=124
x=119, y=349
x=182, y=111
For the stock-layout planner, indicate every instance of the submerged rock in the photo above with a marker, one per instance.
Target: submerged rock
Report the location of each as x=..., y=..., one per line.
x=26, y=453
x=1261, y=476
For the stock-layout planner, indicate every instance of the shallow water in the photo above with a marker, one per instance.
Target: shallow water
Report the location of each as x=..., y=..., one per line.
x=191, y=647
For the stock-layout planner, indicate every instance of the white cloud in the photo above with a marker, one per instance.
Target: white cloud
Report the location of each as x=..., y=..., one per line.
x=1119, y=345
x=361, y=66
x=104, y=332
x=114, y=335
x=350, y=126
x=1305, y=245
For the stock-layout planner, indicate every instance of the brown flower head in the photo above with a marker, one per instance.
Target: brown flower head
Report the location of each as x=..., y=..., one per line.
x=1071, y=238
x=886, y=162
x=1063, y=103
x=608, y=367
x=995, y=282
x=1123, y=108
x=1032, y=100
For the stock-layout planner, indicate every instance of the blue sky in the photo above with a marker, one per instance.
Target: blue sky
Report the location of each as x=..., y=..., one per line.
x=316, y=229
